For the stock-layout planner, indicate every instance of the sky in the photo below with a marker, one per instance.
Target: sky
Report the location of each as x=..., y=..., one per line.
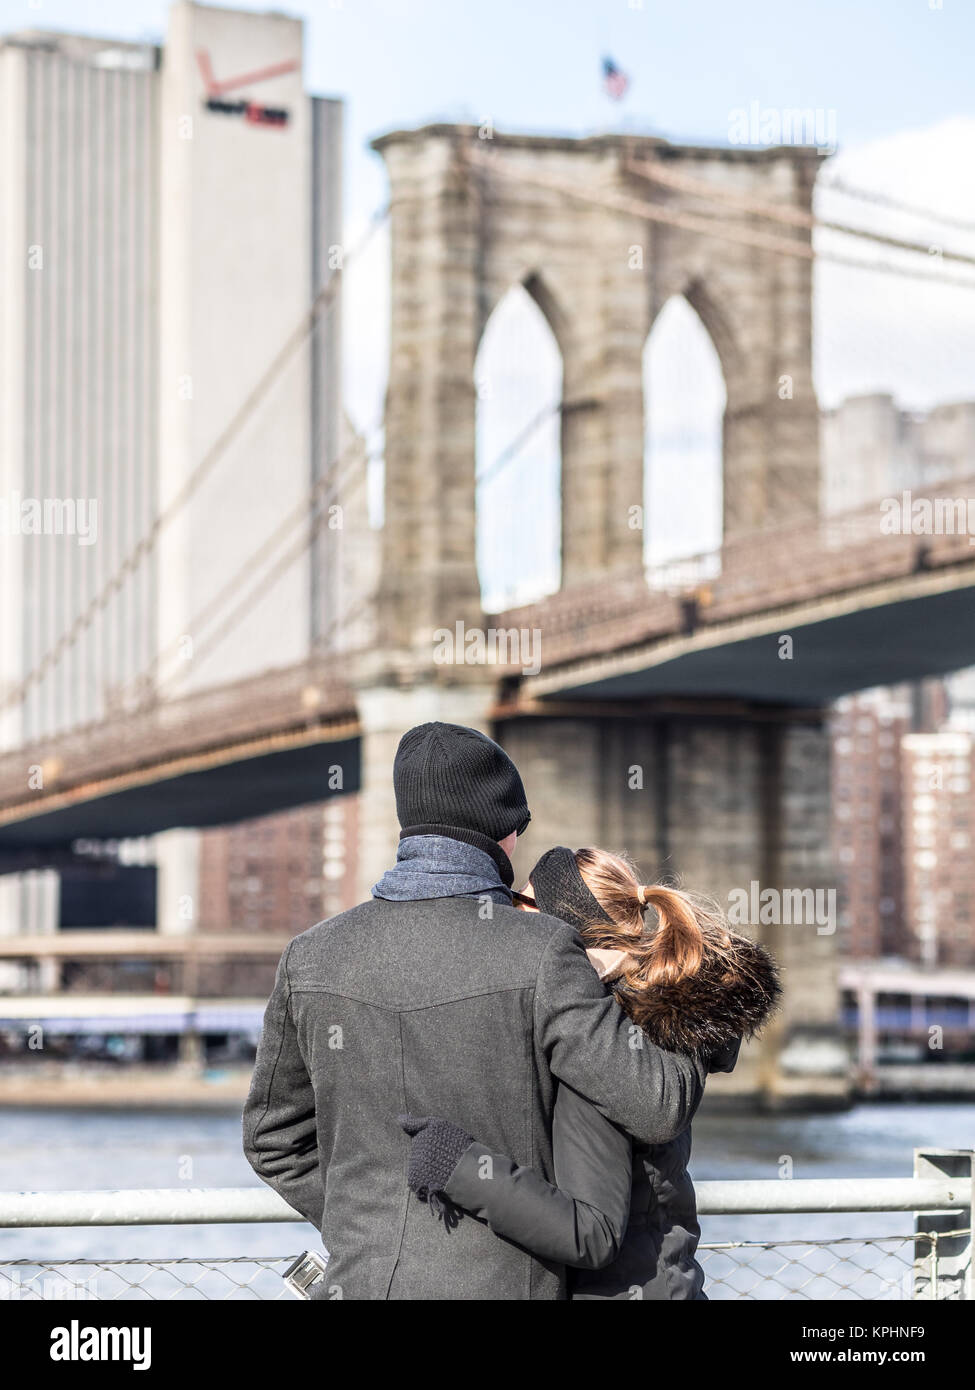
x=893, y=77
x=883, y=65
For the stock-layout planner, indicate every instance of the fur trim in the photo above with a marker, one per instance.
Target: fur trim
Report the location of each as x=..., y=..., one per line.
x=730, y=997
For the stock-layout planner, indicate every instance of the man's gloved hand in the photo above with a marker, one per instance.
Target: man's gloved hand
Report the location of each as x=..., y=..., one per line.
x=437, y=1148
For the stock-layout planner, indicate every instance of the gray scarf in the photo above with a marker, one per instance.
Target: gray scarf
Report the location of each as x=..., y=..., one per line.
x=433, y=866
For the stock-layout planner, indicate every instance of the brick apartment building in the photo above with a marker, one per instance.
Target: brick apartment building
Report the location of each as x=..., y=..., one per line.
x=939, y=822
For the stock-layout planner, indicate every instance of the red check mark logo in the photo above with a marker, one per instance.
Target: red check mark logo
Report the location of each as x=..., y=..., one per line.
x=216, y=89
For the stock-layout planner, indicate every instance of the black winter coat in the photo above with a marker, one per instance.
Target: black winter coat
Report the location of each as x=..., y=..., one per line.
x=623, y=1211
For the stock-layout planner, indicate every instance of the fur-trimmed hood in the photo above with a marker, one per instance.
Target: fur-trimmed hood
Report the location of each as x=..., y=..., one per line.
x=731, y=997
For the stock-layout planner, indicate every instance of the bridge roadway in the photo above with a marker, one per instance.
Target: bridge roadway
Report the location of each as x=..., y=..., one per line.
x=859, y=607
x=210, y=758
x=862, y=608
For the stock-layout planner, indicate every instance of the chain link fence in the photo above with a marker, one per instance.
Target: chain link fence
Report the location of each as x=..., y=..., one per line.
x=933, y=1262
x=876, y=1268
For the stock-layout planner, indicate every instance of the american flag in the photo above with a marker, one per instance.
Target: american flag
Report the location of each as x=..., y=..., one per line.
x=615, y=81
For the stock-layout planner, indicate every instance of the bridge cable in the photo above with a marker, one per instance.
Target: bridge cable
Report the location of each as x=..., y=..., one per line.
x=884, y=200
x=706, y=226
x=795, y=217
x=326, y=490
x=147, y=543
x=284, y=563
x=232, y=586
x=518, y=443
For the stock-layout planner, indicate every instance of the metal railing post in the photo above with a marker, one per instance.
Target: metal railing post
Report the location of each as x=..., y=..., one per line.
x=943, y=1244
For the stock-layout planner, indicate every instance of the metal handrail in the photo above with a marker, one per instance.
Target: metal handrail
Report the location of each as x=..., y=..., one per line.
x=832, y=1194
x=222, y=1205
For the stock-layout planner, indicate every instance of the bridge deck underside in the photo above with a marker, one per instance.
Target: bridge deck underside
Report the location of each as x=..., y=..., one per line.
x=222, y=794
x=836, y=649
x=880, y=645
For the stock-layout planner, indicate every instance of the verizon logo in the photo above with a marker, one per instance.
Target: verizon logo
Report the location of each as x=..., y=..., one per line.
x=252, y=111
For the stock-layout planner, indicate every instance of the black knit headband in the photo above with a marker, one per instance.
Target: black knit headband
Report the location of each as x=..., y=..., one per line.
x=561, y=890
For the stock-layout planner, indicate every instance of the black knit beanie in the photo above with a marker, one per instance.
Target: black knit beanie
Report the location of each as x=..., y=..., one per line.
x=561, y=891
x=454, y=781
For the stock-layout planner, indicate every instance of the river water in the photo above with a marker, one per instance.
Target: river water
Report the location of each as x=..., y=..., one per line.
x=44, y=1150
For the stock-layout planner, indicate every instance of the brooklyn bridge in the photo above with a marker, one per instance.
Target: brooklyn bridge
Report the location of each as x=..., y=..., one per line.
x=679, y=710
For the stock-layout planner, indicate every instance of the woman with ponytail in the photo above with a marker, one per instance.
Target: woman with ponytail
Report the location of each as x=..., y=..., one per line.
x=623, y=1214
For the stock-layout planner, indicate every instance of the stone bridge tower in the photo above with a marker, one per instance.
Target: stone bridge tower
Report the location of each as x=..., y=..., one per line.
x=472, y=217
x=728, y=797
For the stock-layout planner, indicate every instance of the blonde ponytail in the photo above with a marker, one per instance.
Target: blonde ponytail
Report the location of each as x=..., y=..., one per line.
x=675, y=947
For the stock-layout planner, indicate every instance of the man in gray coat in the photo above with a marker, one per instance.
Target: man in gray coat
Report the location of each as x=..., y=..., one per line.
x=438, y=997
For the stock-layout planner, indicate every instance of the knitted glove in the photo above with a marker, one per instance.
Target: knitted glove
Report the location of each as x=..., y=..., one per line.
x=437, y=1148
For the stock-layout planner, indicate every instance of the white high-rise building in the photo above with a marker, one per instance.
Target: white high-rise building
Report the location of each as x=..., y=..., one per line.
x=167, y=216
x=872, y=449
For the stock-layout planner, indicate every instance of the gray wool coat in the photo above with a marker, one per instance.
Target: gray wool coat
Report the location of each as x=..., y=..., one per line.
x=436, y=1008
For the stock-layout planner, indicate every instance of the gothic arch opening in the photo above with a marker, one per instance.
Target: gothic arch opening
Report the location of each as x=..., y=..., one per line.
x=518, y=381
x=684, y=401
